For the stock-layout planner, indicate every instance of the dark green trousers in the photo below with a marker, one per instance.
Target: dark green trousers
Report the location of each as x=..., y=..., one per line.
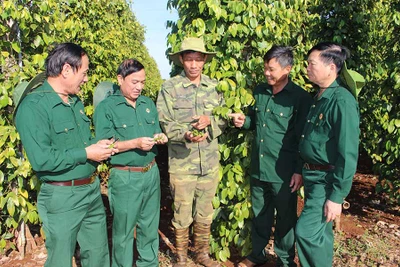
x=71, y=214
x=314, y=235
x=135, y=202
x=266, y=198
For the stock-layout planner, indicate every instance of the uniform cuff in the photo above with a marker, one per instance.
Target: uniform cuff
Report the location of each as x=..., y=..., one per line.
x=246, y=124
x=213, y=126
x=79, y=154
x=299, y=168
x=336, y=197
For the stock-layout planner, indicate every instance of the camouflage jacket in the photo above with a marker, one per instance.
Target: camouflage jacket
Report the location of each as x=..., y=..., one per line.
x=178, y=101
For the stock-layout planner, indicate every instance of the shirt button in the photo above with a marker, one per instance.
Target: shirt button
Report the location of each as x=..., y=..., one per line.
x=281, y=114
x=264, y=125
x=85, y=143
x=313, y=106
x=140, y=123
x=302, y=136
x=267, y=110
x=308, y=120
x=262, y=140
x=272, y=96
x=124, y=125
x=261, y=155
x=66, y=130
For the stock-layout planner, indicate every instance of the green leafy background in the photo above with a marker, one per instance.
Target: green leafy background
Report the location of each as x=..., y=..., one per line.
x=243, y=31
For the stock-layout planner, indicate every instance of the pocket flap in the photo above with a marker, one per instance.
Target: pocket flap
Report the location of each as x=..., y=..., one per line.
x=123, y=123
x=64, y=126
x=283, y=112
x=183, y=104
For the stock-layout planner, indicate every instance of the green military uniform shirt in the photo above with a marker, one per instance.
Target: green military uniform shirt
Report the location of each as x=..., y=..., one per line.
x=115, y=117
x=178, y=101
x=331, y=137
x=279, y=120
x=55, y=135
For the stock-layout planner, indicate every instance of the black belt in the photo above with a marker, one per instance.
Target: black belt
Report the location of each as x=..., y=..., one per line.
x=136, y=169
x=318, y=167
x=77, y=182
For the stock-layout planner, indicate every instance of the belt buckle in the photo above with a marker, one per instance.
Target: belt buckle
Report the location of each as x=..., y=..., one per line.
x=92, y=179
x=147, y=168
x=306, y=166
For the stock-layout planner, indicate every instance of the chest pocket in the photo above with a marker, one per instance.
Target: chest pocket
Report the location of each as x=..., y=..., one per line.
x=183, y=110
x=85, y=118
x=209, y=105
x=124, y=128
x=151, y=119
x=147, y=114
x=85, y=125
x=281, y=117
x=259, y=111
x=319, y=130
x=64, y=132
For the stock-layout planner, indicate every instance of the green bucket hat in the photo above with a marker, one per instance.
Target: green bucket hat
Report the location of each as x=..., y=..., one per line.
x=24, y=88
x=102, y=91
x=191, y=44
x=353, y=80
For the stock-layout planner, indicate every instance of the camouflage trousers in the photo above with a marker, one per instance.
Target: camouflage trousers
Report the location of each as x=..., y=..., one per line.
x=193, y=196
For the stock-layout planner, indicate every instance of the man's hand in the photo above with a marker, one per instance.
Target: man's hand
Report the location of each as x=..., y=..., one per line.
x=201, y=122
x=111, y=143
x=296, y=182
x=145, y=143
x=195, y=139
x=160, y=138
x=100, y=151
x=332, y=210
x=238, y=119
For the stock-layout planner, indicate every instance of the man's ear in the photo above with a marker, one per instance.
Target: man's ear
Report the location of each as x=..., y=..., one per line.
x=288, y=69
x=332, y=67
x=120, y=79
x=66, y=70
x=181, y=58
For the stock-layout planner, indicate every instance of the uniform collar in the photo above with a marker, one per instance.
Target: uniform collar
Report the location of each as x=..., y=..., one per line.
x=330, y=90
x=204, y=80
x=52, y=96
x=289, y=87
x=120, y=99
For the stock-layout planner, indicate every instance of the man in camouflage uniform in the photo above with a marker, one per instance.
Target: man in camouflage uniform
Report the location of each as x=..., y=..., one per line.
x=185, y=106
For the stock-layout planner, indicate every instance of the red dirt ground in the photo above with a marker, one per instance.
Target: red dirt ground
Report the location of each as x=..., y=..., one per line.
x=369, y=213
